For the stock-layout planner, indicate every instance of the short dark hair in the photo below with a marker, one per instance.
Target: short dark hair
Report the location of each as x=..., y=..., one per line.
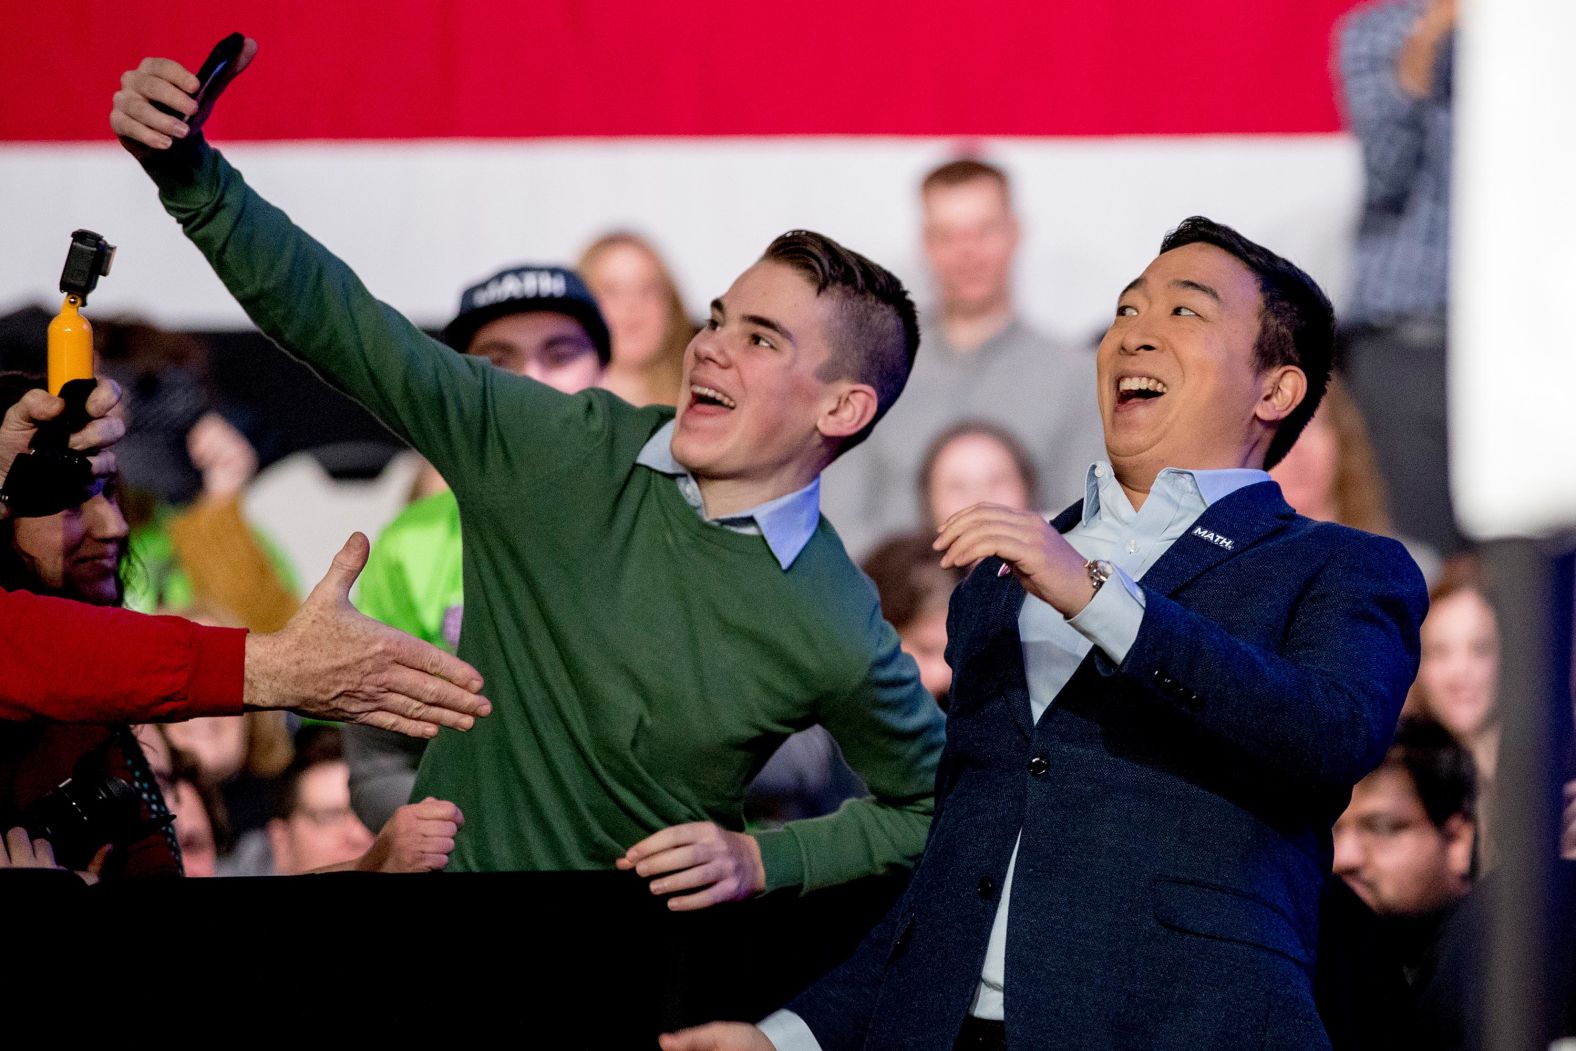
x=909, y=578
x=1440, y=767
x=314, y=746
x=875, y=330
x=961, y=171
x=1296, y=325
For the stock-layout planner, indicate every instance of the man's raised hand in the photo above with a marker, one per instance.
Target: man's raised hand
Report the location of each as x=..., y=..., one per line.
x=144, y=129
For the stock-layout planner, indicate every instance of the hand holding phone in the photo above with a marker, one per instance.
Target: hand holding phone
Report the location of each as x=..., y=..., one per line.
x=221, y=66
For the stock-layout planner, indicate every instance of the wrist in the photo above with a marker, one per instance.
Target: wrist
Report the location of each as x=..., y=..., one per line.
x=258, y=677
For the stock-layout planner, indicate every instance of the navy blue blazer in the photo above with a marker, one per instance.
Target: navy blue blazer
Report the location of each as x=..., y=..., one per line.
x=1175, y=810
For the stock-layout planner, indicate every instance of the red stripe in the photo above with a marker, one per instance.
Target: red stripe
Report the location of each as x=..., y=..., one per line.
x=525, y=68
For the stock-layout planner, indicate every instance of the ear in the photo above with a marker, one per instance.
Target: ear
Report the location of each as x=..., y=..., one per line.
x=1284, y=388
x=1460, y=839
x=853, y=410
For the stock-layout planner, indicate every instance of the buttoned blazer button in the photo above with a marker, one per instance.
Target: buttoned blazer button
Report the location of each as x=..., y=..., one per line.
x=987, y=887
x=1038, y=765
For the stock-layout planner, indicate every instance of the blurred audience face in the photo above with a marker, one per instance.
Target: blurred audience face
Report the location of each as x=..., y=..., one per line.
x=1459, y=671
x=217, y=745
x=635, y=298
x=973, y=468
x=1393, y=856
x=925, y=639
x=970, y=239
x=321, y=829
x=543, y=345
x=76, y=553
x=193, y=829
x=1308, y=473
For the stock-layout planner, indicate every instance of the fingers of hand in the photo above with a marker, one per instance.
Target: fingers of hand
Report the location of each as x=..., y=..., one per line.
x=398, y=724
x=418, y=696
x=672, y=836
x=36, y=406
x=106, y=395
x=674, y=860
x=429, y=659
x=726, y=889
x=716, y=872
x=28, y=853
x=99, y=433
x=433, y=809
x=169, y=70
x=970, y=547
x=137, y=95
x=248, y=52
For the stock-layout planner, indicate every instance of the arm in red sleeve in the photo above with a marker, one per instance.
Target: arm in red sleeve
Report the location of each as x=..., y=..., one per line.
x=71, y=662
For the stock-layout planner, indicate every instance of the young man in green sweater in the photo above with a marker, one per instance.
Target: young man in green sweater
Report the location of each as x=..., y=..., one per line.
x=653, y=598
x=535, y=321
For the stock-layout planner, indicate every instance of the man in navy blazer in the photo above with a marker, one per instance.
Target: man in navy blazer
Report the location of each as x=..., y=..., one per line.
x=1160, y=704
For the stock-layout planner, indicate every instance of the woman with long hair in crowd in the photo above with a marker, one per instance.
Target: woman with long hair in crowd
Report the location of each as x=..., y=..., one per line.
x=1331, y=473
x=1458, y=675
x=645, y=315
x=79, y=554
x=975, y=462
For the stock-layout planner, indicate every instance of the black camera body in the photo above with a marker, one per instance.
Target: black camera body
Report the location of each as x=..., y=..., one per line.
x=88, y=259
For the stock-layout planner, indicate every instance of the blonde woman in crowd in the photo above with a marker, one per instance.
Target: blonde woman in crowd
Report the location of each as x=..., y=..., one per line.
x=645, y=314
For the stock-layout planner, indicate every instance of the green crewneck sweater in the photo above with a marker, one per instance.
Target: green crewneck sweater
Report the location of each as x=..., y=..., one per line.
x=643, y=663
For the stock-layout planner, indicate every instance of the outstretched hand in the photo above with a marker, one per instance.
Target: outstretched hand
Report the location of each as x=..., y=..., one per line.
x=142, y=128
x=701, y=856
x=331, y=662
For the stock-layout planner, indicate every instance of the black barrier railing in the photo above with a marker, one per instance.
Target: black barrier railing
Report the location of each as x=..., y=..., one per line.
x=353, y=955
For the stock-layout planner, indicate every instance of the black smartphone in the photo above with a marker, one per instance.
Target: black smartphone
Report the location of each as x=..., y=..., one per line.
x=215, y=74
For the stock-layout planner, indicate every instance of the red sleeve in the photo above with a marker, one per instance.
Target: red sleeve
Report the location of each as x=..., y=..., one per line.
x=71, y=662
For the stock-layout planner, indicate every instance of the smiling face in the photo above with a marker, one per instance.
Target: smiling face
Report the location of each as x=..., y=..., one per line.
x=76, y=553
x=974, y=468
x=1459, y=670
x=543, y=345
x=1178, y=382
x=752, y=406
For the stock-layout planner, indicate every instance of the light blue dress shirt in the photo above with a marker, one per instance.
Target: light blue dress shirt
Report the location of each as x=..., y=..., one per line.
x=1054, y=646
x=787, y=523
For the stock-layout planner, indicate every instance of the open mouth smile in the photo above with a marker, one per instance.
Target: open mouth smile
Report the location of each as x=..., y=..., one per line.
x=710, y=398
x=1132, y=390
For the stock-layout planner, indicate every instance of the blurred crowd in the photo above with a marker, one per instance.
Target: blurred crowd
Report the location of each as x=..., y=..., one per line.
x=994, y=411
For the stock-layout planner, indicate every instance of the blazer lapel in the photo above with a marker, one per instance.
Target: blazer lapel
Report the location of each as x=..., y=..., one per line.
x=1007, y=596
x=1231, y=524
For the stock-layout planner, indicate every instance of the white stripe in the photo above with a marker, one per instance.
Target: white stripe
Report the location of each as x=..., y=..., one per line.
x=421, y=220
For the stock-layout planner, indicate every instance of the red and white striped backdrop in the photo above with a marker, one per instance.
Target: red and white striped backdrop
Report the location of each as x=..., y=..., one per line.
x=430, y=142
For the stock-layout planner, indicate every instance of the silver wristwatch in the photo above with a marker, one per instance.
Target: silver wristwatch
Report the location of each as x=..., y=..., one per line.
x=1099, y=571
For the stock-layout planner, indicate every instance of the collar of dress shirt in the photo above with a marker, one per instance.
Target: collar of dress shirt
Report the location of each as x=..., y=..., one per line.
x=1101, y=487
x=786, y=522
